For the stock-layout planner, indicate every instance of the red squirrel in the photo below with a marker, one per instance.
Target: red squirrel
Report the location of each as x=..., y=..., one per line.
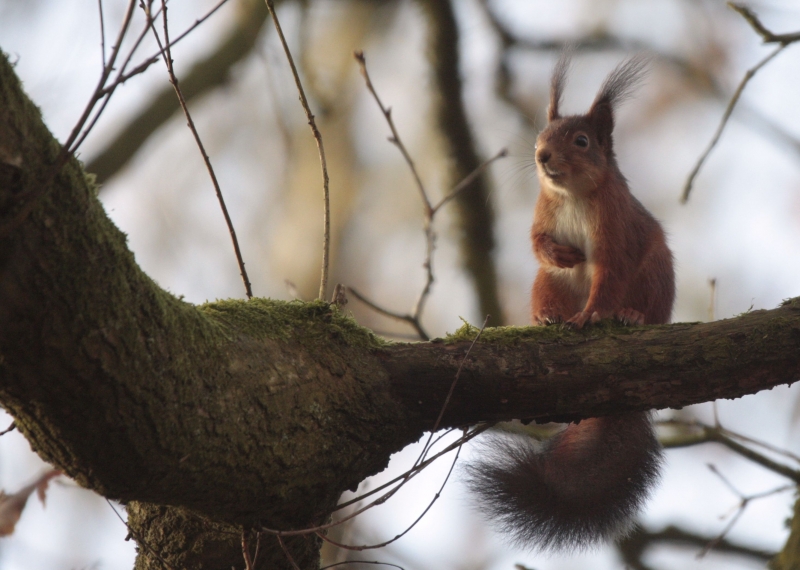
x=601, y=255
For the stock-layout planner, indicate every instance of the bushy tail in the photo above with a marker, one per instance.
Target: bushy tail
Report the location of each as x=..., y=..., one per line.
x=583, y=487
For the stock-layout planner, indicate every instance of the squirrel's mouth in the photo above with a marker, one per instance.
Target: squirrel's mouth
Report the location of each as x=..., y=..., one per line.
x=551, y=172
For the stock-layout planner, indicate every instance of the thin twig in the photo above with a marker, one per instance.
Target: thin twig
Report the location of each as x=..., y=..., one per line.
x=98, y=92
x=418, y=464
x=469, y=179
x=755, y=23
x=139, y=540
x=764, y=444
x=784, y=40
x=756, y=457
x=721, y=477
x=404, y=478
x=10, y=428
x=102, y=33
x=408, y=529
x=374, y=562
x=634, y=545
x=408, y=318
x=720, y=435
x=395, y=138
x=687, y=188
x=744, y=501
x=167, y=54
x=421, y=458
x=286, y=552
x=410, y=473
x=145, y=65
x=458, y=375
x=414, y=317
x=39, y=190
x=248, y=560
x=258, y=547
x=326, y=221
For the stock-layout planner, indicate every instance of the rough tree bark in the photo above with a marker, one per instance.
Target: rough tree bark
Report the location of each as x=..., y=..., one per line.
x=206, y=420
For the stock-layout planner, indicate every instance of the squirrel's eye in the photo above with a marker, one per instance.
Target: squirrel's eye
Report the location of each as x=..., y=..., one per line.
x=582, y=140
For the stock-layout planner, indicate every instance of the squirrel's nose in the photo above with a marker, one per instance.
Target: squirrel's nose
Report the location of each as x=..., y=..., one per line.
x=543, y=156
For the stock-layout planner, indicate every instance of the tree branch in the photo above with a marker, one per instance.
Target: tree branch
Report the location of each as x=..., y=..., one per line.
x=636, y=544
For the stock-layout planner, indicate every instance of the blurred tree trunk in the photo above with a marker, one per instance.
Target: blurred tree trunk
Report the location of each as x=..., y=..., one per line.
x=474, y=207
x=216, y=420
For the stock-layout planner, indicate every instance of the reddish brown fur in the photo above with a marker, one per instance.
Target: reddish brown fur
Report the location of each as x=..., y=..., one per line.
x=601, y=255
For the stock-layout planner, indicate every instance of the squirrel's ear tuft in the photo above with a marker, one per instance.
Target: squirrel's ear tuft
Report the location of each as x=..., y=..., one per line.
x=618, y=86
x=557, y=84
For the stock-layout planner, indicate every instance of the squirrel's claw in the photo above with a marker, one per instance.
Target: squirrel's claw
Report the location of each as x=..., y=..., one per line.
x=581, y=318
x=630, y=317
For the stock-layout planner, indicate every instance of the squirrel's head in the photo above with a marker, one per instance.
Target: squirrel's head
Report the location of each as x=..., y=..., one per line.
x=575, y=154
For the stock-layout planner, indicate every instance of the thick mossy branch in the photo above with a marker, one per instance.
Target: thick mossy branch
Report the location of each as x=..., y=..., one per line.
x=549, y=374
x=141, y=396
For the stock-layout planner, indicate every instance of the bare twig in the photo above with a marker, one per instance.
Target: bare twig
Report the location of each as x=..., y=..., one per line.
x=469, y=179
x=326, y=240
x=784, y=40
x=410, y=473
x=37, y=191
x=755, y=23
x=91, y=113
x=395, y=138
x=634, y=545
x=248, y=560
x=764, y=444
x=725, y=437
x=10, y=428
x=373, y=562
x=408, y=529
x=286, y=552
x=204, y=75
x=403, y=479
x=687, y=188
x=408, y=318
x=102, y=33
x=122, y=77
x=258, y=547
x=414, y=317
x=140, y=540
x=458, y=374
x=744, y=501
x=107, y=69
x=167, y=54
x=418, y=465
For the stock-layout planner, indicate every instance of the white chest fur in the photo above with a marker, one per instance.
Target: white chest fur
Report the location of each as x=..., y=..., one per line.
x=574, y=222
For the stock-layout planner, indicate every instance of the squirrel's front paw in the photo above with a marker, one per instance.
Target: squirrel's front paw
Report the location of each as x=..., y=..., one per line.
x=566, y=256
x=630, y=317
x=543, y=318
x=580, y=319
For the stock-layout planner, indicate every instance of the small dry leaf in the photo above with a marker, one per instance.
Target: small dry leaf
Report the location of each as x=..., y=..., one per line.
x=11, y=506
